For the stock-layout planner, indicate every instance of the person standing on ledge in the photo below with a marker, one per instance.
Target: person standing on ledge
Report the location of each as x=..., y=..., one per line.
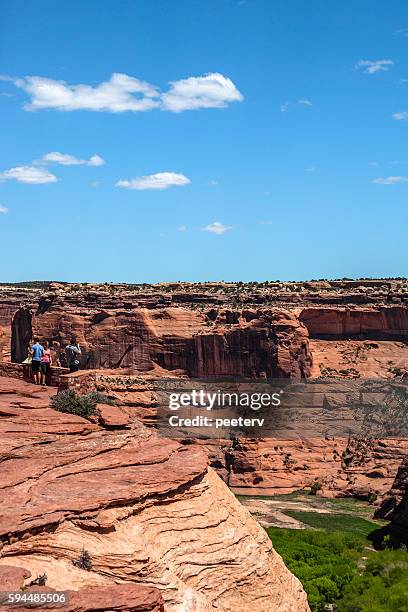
x=73, y=352
x=46, y=361
x=37, y=351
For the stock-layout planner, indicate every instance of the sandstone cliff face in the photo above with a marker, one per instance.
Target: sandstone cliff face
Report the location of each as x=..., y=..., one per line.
x=11, y=299
x=147, y=509
x=358, y=329
x=381, y=322
x=215, y=342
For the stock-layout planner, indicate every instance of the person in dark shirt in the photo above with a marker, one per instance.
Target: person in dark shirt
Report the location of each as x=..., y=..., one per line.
x=37, y=351
x=73, y=353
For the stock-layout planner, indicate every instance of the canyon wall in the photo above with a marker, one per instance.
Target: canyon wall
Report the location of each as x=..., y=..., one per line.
x=379, y=323
x=331, y=329
x=267, y=343
x=11, y=300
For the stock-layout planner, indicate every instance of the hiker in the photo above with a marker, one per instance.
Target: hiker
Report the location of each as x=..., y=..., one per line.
x=73, y=352
x=46, y=361
x=37, y=351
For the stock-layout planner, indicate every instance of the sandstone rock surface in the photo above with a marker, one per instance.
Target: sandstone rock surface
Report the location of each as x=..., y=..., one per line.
x=147, y=509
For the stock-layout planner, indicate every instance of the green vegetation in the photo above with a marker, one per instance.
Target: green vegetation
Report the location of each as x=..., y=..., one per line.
x=324, y=562
x=381, y=587
x=84, y=561
x=336, y=564
x=80, y=405
x=315, y=487
x=345, y=523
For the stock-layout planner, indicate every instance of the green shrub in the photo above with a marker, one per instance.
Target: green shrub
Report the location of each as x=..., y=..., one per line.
x=84, y=561
x=80, y=405
x=100, y=398
x=315, y=487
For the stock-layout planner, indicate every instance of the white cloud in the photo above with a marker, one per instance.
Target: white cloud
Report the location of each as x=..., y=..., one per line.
x=391, y=180
x=69, y=160
x=182, y=228
x=264, y=222
x=305, y=102
x=160, y=180
x=403, y=116
x=210, y=91
x=217, y=228
x=310, y=169
x=3, y=209
x=371, y=67
x=29, y=174
x=96, y=160
x=126, y=93
x=284, y=107
x=121, y=93
x=213, y=183
x=95, y=184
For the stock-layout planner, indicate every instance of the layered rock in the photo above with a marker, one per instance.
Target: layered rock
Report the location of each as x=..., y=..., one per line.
x=380, y=322
x=147, y=510
x=115, y=597
x=332, y=329
x=11, y=299
x=216, y=342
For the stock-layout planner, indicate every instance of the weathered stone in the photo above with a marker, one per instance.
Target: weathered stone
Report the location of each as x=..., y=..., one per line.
x=147, y=509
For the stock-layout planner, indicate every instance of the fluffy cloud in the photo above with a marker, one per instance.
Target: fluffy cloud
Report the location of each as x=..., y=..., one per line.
x=3, y=209
x=217, y=228
x=28, y=174
x=69, y=160
x=160, y=180
x=371, y=67
x=391, y=180
x=305, y=102
x=403, y=116
x=210, y=91
x=126, y=93
x=120, y=93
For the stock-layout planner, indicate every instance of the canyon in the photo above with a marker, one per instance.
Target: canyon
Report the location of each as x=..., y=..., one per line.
x=343, y=329
x=159, y=489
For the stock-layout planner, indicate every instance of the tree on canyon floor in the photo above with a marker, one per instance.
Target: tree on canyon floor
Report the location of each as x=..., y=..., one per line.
x=340, y=567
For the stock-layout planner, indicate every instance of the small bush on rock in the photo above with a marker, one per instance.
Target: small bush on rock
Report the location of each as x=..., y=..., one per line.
x=80, y=405
x=84, y=561
x=100, y=398
x=315, y=487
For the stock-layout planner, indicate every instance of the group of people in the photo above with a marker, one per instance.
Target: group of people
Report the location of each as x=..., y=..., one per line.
x=41, y=359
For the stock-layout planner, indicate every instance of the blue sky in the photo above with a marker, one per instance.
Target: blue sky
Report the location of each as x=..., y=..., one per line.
x=279, y=125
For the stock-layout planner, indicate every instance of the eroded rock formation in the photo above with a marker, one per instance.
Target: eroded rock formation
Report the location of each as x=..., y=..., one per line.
x=147, y=510
x=395, y=506
x=332, y=329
